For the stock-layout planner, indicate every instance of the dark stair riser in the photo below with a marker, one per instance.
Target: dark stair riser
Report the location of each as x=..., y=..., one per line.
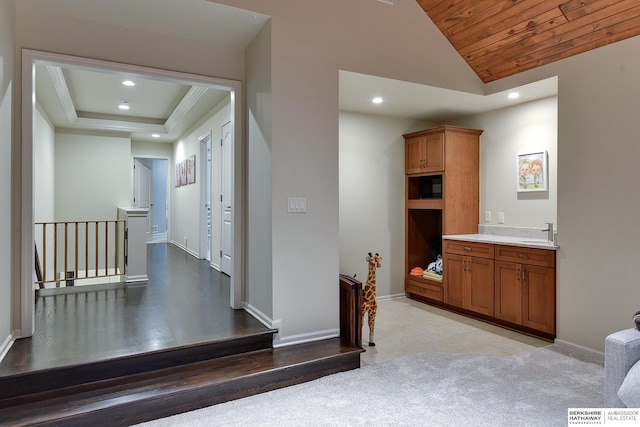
x=63, y=377
x=165, y=404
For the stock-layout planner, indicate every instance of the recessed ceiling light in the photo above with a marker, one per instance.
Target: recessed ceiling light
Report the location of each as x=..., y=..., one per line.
x=155, y=135
x=124, y=105
x=513, y=95
x=377, y=100
x=128, y=83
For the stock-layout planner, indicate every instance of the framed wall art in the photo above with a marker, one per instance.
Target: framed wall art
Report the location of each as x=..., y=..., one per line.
x=532, y=172
x=183, y=172
x=191, y=169
x=177, y=173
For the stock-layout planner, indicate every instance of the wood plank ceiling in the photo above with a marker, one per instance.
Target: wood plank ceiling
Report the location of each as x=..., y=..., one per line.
x=499, y=38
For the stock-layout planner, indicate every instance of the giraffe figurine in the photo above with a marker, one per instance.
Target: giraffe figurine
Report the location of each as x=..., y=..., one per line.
x=369, y=304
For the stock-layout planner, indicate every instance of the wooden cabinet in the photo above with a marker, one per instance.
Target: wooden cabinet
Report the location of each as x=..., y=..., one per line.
x=526, y=287
x=469, y=278
x=509, y=285
x=441, y=194
x=424, y=153
x=513, y=285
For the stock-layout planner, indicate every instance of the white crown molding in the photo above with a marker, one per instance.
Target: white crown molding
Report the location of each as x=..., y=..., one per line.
x=119, y=125
x=62, y=89
x=60, y=84
x=187, y=102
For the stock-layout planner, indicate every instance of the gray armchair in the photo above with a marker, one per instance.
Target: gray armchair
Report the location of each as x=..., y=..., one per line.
x=621, y=370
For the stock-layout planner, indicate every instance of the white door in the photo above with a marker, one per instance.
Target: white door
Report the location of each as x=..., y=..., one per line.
x=142, y=190
x=226, y=198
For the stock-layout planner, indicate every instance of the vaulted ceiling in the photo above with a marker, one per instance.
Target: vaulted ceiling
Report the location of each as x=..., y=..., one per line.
x=499, y=38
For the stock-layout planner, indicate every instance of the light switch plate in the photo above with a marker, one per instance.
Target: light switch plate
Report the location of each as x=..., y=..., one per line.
x=296, y=204
x=487, y=216
x=500, y=217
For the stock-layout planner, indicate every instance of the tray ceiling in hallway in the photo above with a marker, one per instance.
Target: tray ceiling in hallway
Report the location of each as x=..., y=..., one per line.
x=499, y=38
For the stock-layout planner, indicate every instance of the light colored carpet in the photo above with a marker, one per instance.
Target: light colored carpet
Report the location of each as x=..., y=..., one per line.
x=534, y=388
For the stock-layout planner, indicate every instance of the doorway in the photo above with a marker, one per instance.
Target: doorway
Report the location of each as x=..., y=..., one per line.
x=150, y=190
x=31, y=59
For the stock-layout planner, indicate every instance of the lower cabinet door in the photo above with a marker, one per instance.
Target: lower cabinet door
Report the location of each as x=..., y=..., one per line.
x=479, y=290
x=454, y=274
x=539, y=299
x=509, y=292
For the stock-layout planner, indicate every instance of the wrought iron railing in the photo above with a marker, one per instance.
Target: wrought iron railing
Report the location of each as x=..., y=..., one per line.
x=72, y=251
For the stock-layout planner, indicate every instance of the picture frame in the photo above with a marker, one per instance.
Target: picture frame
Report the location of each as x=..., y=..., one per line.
x=191, y=169
x=178, y=179
x=532, y=172
x=183, y=172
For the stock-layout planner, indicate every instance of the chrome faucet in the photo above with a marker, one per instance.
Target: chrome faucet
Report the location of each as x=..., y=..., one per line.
x=549, y=230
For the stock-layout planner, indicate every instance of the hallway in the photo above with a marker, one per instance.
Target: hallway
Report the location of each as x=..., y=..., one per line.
x=185, y=302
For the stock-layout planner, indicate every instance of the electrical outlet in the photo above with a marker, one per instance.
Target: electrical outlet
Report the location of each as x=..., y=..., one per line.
x=500, y=217
x=487, y=216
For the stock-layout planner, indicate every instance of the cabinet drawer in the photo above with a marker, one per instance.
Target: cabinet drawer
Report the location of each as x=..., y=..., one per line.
x=425, y=290
x=530, y=256
x=482, y=250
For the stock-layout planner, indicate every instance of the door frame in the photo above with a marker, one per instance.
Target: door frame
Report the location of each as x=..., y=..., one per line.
x=135, y=191
x=224, y=175
x=24, y=211
x=205, y=177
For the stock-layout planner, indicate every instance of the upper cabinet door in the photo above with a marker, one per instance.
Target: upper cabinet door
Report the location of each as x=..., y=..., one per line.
x=415, y=153
x=425, y=153
x=434, y=149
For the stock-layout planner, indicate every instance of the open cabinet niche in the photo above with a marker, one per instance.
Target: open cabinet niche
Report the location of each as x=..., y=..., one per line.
x=424, y=231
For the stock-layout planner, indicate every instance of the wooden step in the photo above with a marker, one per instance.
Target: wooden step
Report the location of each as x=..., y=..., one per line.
x=26, y=383
x=140, y=397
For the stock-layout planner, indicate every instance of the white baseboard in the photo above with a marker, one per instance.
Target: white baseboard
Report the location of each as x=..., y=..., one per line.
x=305, y=338
x=187, y=250
x=391, y=297
x=6, y=345
x=259, y=315
x=281, y=341
x=158, y=238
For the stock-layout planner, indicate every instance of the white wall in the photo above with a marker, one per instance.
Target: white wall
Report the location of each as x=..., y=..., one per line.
x=8, y=292
x=259, y=296
x=372, y=196
x=44, y=191
x=185, y=200
x=92, y=176
x=151, y=149
x=43, y=167
x=525, y=128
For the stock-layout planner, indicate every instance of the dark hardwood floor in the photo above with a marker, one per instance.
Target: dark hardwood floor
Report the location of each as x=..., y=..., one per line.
x=122, y=356
x=185, y=302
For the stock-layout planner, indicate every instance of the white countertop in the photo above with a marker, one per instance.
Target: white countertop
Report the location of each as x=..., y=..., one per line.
x=503, y=240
